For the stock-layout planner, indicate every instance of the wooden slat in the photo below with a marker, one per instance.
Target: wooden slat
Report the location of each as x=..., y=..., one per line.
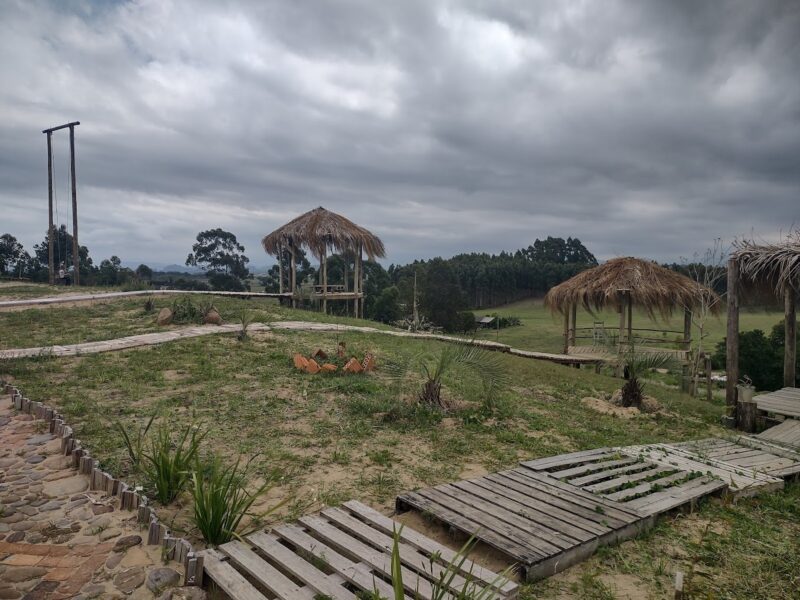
x=427, y=545
x=550, y=462
x=501, y=542
x=413, y=582
x=304, y=571
x=567, y=474
x=263, y=572
x=227, y=578
x=671, y=498
x=611, y=484
x=356, y=573
x=607, y=474
x=646, y=487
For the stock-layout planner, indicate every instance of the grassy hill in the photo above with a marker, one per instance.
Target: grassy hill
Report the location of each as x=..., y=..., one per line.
x=326, y=439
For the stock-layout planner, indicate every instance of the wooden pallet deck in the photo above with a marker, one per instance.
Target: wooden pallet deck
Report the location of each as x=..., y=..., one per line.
x=747, y=453
x=543, y=524
x=785, y=401
x=338, y=553
x=785, y=434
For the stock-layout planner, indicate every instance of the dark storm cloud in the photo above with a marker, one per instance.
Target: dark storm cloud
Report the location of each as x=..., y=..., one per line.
x=644, y=128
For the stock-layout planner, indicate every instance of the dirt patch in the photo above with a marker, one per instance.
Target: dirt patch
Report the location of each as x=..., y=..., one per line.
x=606, y=408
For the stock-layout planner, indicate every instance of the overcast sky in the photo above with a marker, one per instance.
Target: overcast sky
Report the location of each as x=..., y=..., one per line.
x=643, y=128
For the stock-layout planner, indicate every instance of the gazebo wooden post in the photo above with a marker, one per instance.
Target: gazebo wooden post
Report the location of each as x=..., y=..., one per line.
x=621, y=335
x=629, y=300
x=573, y=316
x=323, y=275
x=687, y=345
x=280, y=270
x=567, y=311
x=355, y=283
x=360, y=299
x=732, y=340
x=790, y=339
x=293, y=275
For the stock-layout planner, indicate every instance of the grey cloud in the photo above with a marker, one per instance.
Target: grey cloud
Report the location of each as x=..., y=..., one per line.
x=644, y=128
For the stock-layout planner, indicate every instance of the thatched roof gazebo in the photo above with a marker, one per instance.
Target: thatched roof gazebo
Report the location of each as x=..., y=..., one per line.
x=320, y=231
x=775, y=266
x=622, y=283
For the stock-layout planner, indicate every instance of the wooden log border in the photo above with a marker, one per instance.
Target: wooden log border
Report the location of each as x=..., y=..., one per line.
x=130, y=499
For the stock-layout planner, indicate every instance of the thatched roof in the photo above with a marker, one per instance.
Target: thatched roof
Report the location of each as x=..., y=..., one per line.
x=652, y=287
x=320, y=229
x=774, y=264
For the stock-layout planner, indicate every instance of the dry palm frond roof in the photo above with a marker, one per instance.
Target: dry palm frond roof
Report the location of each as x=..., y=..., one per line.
x=320, y=229
x=651, y=286
x=777, y=264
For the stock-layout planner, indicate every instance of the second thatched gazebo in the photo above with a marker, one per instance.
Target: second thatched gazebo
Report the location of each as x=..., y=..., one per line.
x=321, y=231
x=622, y=283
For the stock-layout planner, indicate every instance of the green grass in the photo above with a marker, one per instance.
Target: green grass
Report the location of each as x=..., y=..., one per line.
x=543, y=331
x=329, y=438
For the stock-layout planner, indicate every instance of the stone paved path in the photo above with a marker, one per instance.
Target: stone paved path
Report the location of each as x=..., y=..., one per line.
x=58, y=540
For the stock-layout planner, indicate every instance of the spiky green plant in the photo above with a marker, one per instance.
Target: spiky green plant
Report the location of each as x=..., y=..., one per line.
x=168, y=465
x=246, y=319
x=221, y=499
x=134, y=444
x=488, y=366
x=635, y=364
x=443, y=586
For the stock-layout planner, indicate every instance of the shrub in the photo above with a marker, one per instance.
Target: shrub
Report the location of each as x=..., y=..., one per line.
x=168, y=466
x=184, y=310
x=134, y=445
x=149, y=304
x=221, y=499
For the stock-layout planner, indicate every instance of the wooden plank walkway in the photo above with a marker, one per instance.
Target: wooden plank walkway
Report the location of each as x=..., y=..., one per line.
x=748, y=454
x=785, y=401
x=340, y=553
x=124, y=343
x=786, y=433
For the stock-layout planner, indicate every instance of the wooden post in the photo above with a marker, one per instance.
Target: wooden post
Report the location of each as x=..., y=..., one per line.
x=355, y=284
x=360, y=282
x=566, y=330
x=629, y=299
x=50, y=264
x=790, y=339
x=280, y=269
x=686, y=385
x=293, y=275
x=709, y=389
x=732, y=343
x=323, y=266
x=75, y=246
x=573, y=323
x=746, y=416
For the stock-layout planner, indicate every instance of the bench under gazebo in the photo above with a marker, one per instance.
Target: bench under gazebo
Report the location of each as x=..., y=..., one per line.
x=322, y=231
x=622, y=284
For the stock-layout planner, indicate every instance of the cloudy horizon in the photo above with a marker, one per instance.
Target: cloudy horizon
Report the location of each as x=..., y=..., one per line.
x=642, y=128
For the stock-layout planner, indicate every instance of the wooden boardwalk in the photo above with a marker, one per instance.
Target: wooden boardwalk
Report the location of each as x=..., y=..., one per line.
x=785, y=434
x=338, y=554
x=785, y=402
x=550, y=513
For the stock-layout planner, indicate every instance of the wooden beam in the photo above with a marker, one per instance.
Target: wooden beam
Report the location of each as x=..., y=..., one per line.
x=732, y=340
x=293, y=274
x=324, y=268
x=360, y=313
x=75, y=246
x=50, y=265
x=52, y=129
x=566, y=330
x=629, y=299
x=280, y=269
x=573, y=316
x=790, y=339
x=686, y=384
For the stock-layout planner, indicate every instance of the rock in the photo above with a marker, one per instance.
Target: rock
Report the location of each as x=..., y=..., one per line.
x=109, y=534
x=162, y=578
x=129, y=541
x=212, y=317
x=9, y=594
x=93, y=590
x=650, y=405
x=34, y=459
x=128, y=580
x=101, y=509
x=18, y=574
x=65, y=487
x=16, y=536
x=113, y=560
x=164, y=316
x=184, y=593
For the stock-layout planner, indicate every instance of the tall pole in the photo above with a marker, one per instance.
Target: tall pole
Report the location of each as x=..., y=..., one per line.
x=732, y=339
x=50, y=265
x=790, y=340
x=76, y=261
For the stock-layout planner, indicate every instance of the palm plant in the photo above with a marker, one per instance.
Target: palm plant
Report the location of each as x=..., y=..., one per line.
x=635, y=363
x=221, y=499
x=134, y=444
x=246, y=319
x=488, y=366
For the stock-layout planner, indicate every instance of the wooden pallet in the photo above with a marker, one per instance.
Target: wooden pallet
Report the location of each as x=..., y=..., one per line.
x=785, y=434
x=785, y=401
x=540, y=522
x=651, y=487
x=338, y=553
x=746, y=452
x=740, y=480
